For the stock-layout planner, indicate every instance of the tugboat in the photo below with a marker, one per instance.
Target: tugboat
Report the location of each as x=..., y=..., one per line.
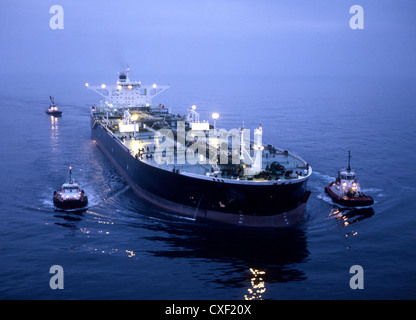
x=53, y=109
x=70, y=196
x=346, y=190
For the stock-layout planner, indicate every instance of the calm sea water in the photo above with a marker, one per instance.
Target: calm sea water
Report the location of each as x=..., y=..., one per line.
x=120, y=248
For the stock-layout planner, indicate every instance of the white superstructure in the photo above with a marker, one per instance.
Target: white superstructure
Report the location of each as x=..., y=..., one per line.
x=127, y=94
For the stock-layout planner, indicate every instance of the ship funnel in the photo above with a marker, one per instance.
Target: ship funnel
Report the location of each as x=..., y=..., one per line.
x=123, y=76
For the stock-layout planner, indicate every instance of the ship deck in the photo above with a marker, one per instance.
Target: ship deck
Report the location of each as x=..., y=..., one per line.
x=143, y=146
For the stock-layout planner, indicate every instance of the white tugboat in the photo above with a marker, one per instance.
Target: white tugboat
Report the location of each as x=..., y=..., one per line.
x=346, y=190
x=70, y=196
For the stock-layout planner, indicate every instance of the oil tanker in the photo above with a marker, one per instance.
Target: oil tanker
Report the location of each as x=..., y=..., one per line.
x=193, y=169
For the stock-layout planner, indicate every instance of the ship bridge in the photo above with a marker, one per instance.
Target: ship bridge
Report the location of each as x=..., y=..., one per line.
x=127, y=94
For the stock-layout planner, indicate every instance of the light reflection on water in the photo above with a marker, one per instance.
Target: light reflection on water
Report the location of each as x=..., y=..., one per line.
x=54, y=132
x=273, y=252
x=349, y=216
x=257, y=285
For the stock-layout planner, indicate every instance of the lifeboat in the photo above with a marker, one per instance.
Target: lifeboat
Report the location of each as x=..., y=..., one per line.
x=346, y=191
x=70, y=196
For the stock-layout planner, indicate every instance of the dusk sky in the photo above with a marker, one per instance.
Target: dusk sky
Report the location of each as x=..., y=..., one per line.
x=279, y=38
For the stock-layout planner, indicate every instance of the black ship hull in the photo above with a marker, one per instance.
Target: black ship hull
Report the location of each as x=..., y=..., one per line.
x=269, y=205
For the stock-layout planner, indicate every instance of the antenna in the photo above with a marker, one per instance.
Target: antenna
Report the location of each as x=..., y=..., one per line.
x=349, y=161
x=70, y=174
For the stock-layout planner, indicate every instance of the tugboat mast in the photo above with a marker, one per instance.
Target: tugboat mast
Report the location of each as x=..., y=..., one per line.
x=70, y=174
x=349, y=161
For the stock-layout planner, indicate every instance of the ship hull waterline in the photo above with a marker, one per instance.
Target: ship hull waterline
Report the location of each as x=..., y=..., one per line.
x=199, y=199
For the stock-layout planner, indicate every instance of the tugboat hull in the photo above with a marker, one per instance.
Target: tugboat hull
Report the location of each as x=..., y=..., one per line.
x=364, y=201
x=54, y=113
x=70, y=204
